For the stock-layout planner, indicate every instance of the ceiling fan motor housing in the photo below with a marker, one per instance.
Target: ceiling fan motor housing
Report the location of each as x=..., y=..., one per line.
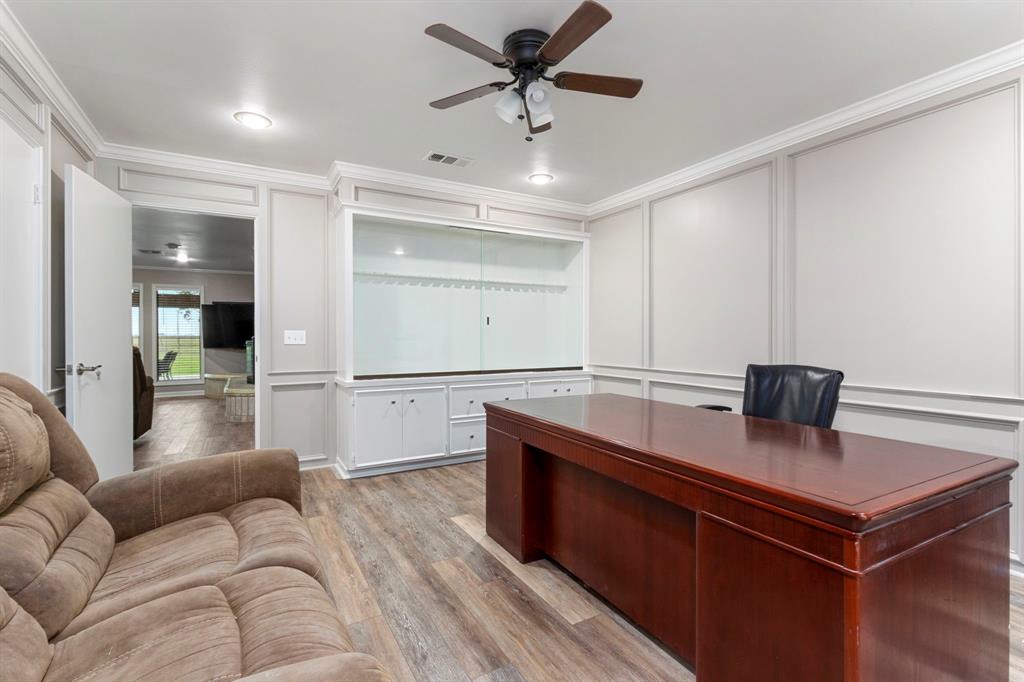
x=521, y=46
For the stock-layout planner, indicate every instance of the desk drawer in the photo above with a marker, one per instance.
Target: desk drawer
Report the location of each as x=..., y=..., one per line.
x=468, y=436
x=468, y=401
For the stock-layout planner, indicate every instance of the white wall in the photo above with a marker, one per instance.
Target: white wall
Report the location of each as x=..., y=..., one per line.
x=22, y=249
x=889, y=249
x=217, y=287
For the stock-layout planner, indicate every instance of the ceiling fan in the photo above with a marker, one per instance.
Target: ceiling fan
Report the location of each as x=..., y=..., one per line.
x=528, y=54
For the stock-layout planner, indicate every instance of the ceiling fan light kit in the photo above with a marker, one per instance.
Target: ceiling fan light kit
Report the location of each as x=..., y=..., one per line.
x=527, y=54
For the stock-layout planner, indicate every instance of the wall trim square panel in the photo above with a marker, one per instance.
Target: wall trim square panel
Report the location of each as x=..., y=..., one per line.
x=921, y=288
x=711, y=282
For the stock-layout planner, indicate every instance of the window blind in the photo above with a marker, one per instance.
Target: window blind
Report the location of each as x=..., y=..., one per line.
x=179, y=343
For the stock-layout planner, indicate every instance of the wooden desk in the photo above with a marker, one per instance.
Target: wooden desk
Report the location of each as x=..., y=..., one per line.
x=762, y=550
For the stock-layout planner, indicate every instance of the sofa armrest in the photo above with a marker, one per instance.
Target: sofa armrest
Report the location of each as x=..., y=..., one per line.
x=337, y=668
x=147, y=499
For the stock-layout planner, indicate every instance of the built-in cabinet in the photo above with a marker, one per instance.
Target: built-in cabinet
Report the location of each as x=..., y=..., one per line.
x=389, y=426
x=439, y=316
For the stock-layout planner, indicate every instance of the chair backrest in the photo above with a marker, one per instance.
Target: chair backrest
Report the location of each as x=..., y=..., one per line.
x=792, y=393
x=138, y=373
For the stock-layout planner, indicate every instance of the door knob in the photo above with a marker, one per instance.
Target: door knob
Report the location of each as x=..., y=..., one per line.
x=82, y=369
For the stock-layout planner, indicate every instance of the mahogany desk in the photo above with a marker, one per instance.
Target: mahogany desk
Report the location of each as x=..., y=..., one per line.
x=762, y=550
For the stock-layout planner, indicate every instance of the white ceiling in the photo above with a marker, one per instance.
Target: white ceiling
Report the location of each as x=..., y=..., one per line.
x=351, y=80
x=212, y=242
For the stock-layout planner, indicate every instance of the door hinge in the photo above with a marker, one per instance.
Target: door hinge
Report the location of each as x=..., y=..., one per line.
x=37, y=194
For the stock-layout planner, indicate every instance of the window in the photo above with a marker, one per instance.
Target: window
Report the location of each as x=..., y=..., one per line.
x=137, y=316
x=179, y=349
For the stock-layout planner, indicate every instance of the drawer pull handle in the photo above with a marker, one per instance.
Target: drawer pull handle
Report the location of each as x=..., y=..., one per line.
x=471, y=402
x=568, y=390
x=556, y=390
x=472, y=436
x=506, y=397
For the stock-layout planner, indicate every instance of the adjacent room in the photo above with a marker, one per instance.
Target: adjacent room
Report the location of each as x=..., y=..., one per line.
x=504, y=341
x=193, y=316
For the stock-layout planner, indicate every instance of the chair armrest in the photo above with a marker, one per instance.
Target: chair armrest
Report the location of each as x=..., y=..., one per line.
x=716, y=408
x=336, y=668
x=147, y=499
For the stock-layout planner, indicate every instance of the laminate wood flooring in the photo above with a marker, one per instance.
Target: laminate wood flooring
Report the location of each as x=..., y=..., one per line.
x=421, y=587
x=185, y=428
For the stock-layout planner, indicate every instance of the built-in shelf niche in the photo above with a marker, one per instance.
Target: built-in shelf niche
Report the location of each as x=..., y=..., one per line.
x=439, y=298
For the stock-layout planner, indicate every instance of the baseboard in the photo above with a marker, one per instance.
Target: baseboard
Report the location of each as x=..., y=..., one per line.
x=191, y=393
x=310, y=462
x=344, y=473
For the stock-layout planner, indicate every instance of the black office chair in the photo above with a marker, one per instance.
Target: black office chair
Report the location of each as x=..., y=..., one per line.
x=790, y=393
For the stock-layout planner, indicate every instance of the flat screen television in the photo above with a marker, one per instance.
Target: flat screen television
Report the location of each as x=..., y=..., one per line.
x=228, y=325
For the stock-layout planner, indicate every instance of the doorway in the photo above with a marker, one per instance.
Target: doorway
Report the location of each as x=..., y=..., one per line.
x=193, y=335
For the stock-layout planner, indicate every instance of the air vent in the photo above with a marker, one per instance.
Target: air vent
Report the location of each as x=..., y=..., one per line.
x=154, y=252
x=448, y=159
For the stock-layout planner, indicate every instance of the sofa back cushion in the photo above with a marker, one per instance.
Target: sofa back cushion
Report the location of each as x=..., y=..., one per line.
x=56, y=547
x=68, y=457
x=24, y=448
x=25, y=652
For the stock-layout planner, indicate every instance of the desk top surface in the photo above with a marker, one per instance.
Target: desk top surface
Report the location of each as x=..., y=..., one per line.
x=849, y=474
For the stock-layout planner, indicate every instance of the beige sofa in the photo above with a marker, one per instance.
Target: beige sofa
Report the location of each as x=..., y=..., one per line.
x=199, y=570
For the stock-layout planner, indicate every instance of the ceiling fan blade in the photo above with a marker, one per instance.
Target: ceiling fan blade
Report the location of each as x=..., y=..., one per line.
x=466, y=96
x=582, y=24
x=447, y=34
x=599, y=85
x=529, y=123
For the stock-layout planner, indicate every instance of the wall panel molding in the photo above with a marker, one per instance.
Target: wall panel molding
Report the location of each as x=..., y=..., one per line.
x=184, y=186
x=979, y=68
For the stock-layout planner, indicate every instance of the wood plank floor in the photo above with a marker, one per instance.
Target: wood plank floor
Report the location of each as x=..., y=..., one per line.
x=421, y=586
x=185, y=428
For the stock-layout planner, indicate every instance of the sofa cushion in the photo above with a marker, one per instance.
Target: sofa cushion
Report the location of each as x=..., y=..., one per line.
x=246, y=624
x=55, y=549
x=200, y=550
x=24, y=651
x=69, y=459
x=24, y=448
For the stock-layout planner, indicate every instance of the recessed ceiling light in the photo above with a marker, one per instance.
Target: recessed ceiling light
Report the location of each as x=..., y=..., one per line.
x=182, y=256
x=399, y=251
x=541, y=178
x=250, y=119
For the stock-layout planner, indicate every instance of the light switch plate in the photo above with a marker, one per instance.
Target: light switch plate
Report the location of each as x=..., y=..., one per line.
x=295, y=337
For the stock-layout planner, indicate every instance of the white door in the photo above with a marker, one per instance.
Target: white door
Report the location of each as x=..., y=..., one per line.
x=98, y=323
x=424, y=423
x=21, y=257
x=378, y=427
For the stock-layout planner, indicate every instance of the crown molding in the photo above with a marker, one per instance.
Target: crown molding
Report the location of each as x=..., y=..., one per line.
x=340, y=169
x=28, y=55
x=1008, y=57
x=234, y=169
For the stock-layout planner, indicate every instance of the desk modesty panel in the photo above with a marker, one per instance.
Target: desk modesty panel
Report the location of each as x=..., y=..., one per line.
x=757, y=548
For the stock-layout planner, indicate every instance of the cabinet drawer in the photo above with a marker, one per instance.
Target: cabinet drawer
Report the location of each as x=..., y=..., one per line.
x=468, y=436
x=468, y=401
x=575, y=387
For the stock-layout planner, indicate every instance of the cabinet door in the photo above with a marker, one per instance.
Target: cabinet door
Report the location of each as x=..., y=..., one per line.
x=378, y=427
x=424, y=422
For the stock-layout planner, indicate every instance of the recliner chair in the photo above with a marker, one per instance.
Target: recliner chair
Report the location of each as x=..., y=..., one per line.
x=790, y=393
x=142, y=396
